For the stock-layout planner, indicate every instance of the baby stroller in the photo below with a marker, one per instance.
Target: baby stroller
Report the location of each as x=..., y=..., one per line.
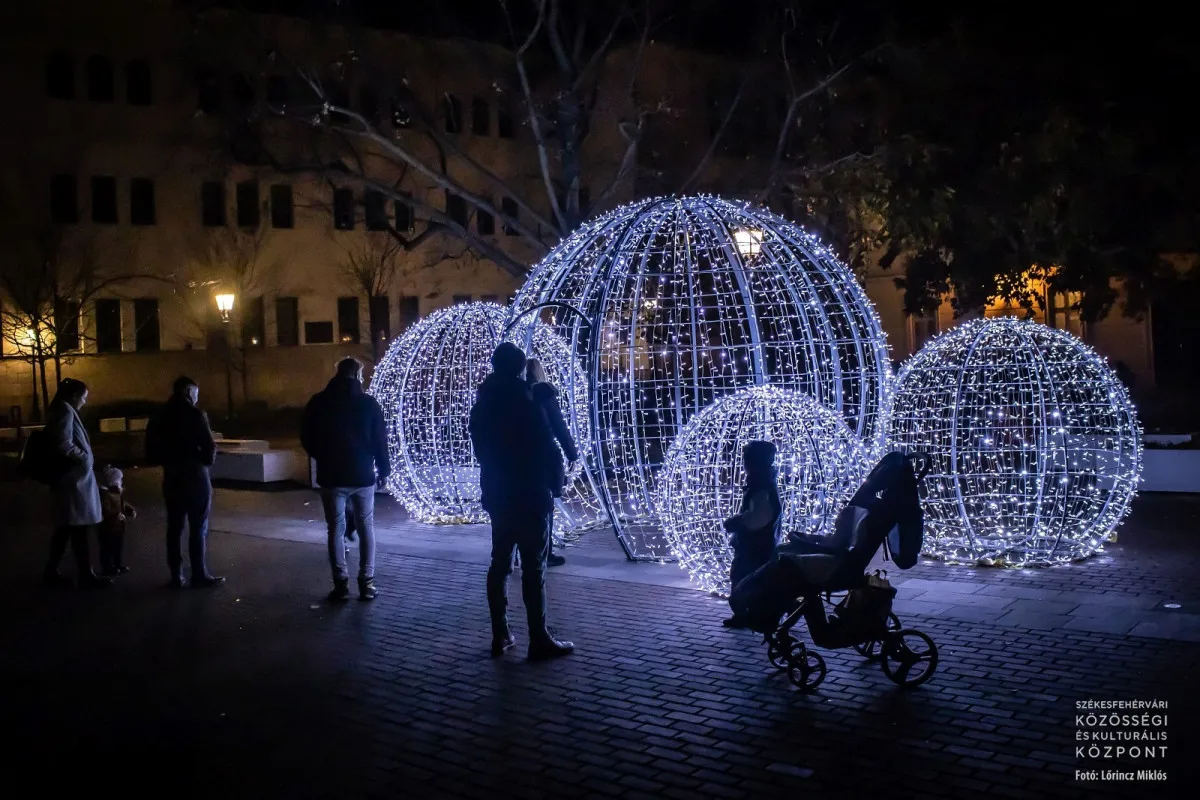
x=803, y=579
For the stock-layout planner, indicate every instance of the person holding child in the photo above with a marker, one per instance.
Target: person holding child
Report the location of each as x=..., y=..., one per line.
x=115, y=515
x=756, y=528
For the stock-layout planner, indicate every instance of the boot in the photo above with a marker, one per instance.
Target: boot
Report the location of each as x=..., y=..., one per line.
x=366, y=589
x=90, y=580
x=341, y=591
x=546, y=647
x=501, y=641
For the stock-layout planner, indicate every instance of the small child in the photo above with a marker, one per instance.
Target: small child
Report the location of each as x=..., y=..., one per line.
x=115, y=514
x=756, y=527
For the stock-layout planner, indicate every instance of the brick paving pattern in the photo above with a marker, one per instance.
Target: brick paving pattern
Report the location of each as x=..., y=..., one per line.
x=258, y=689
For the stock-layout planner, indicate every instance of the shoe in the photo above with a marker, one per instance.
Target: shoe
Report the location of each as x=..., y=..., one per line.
x=548, y=648
x=177, y=583
x=90, y=580
x=341, y=591
x=207, y=581
x=554, y=560
x=111, y=571
x=502, y=643
x=736, y=623
x=52, y=580
x=366, y=589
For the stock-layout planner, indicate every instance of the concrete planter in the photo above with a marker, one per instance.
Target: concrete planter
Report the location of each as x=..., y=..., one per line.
x=1170, y=471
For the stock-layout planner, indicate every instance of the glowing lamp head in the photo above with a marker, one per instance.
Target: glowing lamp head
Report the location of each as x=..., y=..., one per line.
x=224, y=305
x=748, y=241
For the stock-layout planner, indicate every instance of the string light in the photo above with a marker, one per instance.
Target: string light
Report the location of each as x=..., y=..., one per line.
x=683, y=301
x=820, y=462
x=1036, y=446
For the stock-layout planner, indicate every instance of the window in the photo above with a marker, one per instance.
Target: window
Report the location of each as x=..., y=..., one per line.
x=278, y=92
x=401, y=114
x=100, y=79
x=208, y=91
x=485, y=223
x=60, y=76
x=481, y=117
x=141, y=201
x=104, y=200
x=253, y=323
x=145, y=323
x=921, y=330
x=139, y=90
x=1064, y=312
x=64, y=199
x=376, y=210
x=368, y=103
x=108, y=326
x=287, y=321
x=404, y=217
x=212, y=204
x=66, y=325
x=510, y=209
x=461, y=298
x=490, y=298
x=248, y=212
x=318, y=333
x=505, y=125
x=379, y=318
x=347, y=312
x=282, y=213
x=241, y=91
x=453, y=111
x=456, y=209
x=410, y=311
x=343, y=209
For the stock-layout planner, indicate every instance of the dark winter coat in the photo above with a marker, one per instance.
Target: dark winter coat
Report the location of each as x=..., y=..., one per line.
x=759, y=521
x=514, y=447
x=344, y=432
x=179, y=439
x=545, y=397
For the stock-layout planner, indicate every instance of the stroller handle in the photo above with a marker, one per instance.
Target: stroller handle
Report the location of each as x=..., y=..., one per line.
x=922, y=463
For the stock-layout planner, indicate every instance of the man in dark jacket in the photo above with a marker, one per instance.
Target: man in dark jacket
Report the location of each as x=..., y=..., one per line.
x=179, y=439
x=517, y=467
x=343, y=431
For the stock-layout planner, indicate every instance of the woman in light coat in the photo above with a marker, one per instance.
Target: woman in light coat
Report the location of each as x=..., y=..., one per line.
x=74, y=495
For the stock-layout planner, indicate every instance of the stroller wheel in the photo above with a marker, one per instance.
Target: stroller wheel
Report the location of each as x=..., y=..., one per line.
x=807, y=669
x=780, y=649
x=873, y=650
x=909, y=658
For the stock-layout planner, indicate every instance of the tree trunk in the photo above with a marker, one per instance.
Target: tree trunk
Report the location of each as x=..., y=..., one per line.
x=41, y=360
x=36, y=416
x=57, y=365
x=245, y=379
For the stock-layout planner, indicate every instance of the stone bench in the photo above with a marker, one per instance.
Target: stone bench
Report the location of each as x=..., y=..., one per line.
x=242, y=445
x=259, y=466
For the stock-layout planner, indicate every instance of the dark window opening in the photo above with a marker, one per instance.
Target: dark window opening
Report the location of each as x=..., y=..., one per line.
x=145, y=323
x=485, y=223
x=510, y=209
x=212, y=204
x=100, y=79
x=409, y=310
x=287, y=321
x=249, y=215
x=404, y=217
x=108, y=326
x=141, y=201
x=481, y=117
x=379, y=312
x=347, y=312
x=489, y=298
x=241, y=92
x=253, y=323
x=343, y=209
x=104, y=200
x=139, y=88
x=283, y=214
x=376, y=210
x=318, y=333
x=456, y=208
x=208, y=91
x=368, y=103
x=66, y=325
x=278, y=91
x=461, y=298
x=60, y=76
x=452, y=108
x=64, y=199
x=506, y=127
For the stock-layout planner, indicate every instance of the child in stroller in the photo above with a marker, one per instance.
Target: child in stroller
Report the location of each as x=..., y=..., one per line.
x=884, y=512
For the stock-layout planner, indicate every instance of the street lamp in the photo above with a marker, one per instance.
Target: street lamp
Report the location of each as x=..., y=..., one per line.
x=225, y=306
x=748, y=241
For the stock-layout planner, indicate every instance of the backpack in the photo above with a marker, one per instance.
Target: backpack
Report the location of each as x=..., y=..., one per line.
x=904, y=540
x=39, y=462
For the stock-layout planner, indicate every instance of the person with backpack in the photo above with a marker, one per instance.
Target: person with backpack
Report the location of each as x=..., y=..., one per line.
x=65, y=455
x=755, y=529
x=180, y=440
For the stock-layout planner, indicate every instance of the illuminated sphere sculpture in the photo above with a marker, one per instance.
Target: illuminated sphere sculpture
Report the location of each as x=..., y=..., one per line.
x=673, y=303
x=1036, y=448
x=820, y=461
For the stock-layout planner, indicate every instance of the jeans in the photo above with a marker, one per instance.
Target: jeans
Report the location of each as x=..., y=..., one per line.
x=529, y=534
x=188, y=501
x=77, y=535
x=746, y=561
x=363, y=501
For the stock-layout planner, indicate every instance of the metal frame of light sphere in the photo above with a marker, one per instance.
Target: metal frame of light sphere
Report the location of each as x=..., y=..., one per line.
x=820, y=462
x=1036, y=448
x=683, y=300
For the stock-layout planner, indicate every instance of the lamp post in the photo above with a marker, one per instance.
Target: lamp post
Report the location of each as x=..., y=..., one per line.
x=225, y=306
x=748, y=241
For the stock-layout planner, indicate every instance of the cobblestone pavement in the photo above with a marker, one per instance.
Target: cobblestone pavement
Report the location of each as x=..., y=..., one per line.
x=258, y=689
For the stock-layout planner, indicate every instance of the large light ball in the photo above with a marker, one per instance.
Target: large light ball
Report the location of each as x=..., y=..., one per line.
x=671, y=304
x=820, y=461
x=1036, y=448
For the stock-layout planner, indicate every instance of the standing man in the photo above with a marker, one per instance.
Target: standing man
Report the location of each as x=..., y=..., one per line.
x=180, y=440
x=518, y=462
x=343, y=431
